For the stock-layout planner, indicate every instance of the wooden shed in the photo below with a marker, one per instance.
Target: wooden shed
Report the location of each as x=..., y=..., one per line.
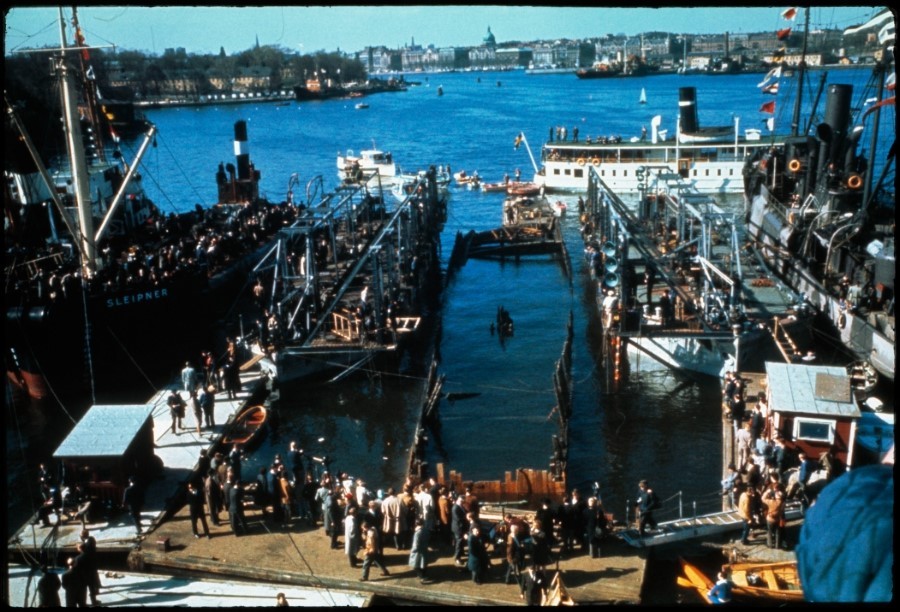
x=107, y=446
x=813, y=408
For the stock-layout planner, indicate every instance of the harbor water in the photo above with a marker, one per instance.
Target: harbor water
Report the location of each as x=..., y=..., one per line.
x=657, y=426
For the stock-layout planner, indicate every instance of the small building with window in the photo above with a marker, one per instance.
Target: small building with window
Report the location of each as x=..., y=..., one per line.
x=813, y=408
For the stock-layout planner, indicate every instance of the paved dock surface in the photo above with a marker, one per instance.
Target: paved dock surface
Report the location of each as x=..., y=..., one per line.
x=302, y=555
x=157, y=590
x=179, y=452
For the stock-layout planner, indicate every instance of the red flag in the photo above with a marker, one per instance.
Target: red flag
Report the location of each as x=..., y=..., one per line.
x=789, y=14
x=768, y=107
x=783, y=34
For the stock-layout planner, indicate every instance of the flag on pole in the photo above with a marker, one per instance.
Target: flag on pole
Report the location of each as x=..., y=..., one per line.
x=768, y=107
x=774, y=73
x=789, y=13
x=783, y=34
x=517, y=142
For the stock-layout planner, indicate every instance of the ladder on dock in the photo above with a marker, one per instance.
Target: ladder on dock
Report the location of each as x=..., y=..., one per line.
x=783, y=341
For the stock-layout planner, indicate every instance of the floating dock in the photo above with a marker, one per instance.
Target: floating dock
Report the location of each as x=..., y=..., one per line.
x=675, y=284
x=348, y=283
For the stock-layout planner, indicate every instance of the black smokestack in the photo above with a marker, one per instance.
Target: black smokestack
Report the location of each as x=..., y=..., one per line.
x=687, y=110
x=242, y=150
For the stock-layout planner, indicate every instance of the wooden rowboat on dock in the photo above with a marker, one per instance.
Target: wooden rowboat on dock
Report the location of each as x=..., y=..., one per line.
x=766, y=582
x=753, y=583
x=248, y=428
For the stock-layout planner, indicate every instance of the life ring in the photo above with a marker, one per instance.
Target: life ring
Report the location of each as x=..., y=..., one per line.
x=795, y=165
x=854, y=181
x=595, y=161
x=580, y=161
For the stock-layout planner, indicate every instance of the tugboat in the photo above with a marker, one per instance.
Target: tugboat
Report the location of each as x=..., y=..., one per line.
x=818, y=221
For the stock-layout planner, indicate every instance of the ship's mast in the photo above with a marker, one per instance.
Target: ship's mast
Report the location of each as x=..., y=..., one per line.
x=795, y=120
x=75, y=146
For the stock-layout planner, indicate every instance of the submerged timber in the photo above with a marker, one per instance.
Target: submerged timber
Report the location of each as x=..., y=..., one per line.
x=350, y=282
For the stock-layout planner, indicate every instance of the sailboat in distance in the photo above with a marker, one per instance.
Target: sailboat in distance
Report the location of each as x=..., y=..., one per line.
x=643, y=98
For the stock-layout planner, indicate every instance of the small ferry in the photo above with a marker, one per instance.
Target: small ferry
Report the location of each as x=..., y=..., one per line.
x=351, y=166
x=710, y=159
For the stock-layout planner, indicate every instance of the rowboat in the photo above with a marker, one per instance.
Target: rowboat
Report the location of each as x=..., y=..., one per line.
x=518, y=188
x=492, y=187
x=470, y=180
x=694, y=578
x=766, y=582
x=248, y=427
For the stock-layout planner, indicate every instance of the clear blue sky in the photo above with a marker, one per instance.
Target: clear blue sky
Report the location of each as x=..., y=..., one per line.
x=205, y=29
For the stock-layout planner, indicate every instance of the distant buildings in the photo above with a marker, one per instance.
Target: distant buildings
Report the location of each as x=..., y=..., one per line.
x=668, y=51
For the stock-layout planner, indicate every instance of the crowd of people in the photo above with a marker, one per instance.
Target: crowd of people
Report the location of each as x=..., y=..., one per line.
x=80, y=580
x=766, y=473
x=422, y=519
x=167, y=249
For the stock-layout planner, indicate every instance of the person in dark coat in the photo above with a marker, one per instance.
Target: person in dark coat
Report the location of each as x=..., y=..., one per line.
x=546, y=516
x=88, y=563
x=213, y=491
x=74, y=585
x=133, y=501
x=478, y=561
x=459, y=525
x=646, y=502
x=197, y=510
x=336, y=514
x=534, y=585
x=236, y=508
x=48, y=589
x=594, y=522
x=540, y=555
x=568, y=533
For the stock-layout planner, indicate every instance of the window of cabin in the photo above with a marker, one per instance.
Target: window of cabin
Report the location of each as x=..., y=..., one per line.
x=814, y=430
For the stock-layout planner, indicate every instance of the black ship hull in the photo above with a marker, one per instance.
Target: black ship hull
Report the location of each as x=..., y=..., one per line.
x=808, y=222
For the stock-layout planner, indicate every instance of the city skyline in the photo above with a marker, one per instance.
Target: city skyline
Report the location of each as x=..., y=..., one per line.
x=350, y=28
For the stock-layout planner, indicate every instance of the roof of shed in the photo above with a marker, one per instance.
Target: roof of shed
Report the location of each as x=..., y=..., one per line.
x=812, y=390
x=105, y=431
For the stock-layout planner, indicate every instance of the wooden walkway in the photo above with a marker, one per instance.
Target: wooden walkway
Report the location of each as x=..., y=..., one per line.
x=694, y=528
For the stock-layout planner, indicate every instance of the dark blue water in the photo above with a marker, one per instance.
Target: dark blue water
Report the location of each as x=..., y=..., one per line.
x=656, y=427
